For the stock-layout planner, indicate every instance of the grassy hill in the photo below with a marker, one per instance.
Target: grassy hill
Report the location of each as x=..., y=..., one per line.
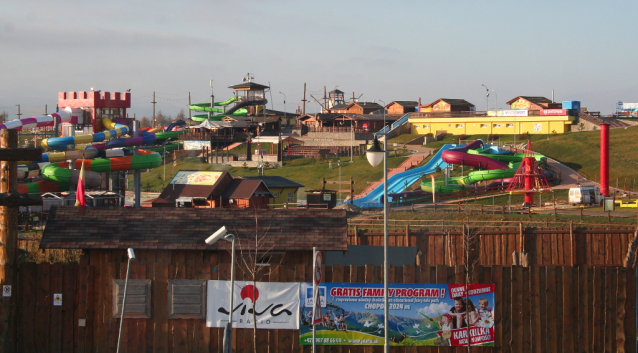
x=581, y=152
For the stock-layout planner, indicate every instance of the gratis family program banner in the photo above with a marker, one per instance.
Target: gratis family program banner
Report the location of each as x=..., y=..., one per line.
x=420, y=314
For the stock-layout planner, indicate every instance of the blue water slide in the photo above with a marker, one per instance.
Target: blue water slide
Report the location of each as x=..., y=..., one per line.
x=398, y=182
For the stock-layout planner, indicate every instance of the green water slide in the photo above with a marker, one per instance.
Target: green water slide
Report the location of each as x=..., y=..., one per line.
x=205, y=107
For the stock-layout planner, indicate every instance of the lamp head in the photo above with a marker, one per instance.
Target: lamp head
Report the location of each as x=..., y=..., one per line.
x=220, y=233
x=131, y=253
x=375, y=154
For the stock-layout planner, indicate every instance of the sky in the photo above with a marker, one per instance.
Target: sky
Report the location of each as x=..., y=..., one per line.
x=380, y=50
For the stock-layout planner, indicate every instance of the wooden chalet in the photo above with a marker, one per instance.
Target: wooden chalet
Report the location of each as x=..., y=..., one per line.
x=447, y=105
x=532, y=103
x=212, y=189
x=363, y=107
x=401, y=107
x=333, y=122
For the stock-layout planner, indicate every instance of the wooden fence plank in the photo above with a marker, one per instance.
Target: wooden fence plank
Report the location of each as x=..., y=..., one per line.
x=160, y=316
x=516, y=300
x=28, y=305
x=44, y=301
x=558, y=313
x=621, y=297
x=630, y=309
x=55, y=328
x=69, y=305
x=582, y=293
x=526, y=312
x=178, y=327
x=497, y=279
x=612, y=293
x=507, y=309
x=567, y=309
x=535, y=305
x=598, y=303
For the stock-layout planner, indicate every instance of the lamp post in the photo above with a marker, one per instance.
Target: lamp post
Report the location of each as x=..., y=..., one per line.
x=487, y=98
x=222, y=233
x=339, y=164
x=285, y=118
x=375, y=154
x=131, y=256
x=383, y=131
x=496, y=98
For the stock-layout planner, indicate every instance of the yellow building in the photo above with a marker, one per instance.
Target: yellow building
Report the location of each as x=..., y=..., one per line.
x=497, y=122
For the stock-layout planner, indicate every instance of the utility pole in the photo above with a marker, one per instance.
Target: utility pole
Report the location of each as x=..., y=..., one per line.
x=18, y=111
x=190, y=112
x=303, y=110
x=153, y=102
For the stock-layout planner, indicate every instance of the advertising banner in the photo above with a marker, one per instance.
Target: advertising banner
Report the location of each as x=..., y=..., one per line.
x=513, y=113
x=554, y=112
x=276, y=304
x=420, y=314
x=191, y=145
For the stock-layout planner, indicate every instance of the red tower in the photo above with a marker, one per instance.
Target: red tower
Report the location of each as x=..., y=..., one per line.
x=97, y=105
x=604, y=159
x=529, y=178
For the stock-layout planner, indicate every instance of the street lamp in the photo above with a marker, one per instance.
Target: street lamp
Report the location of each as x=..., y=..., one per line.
x=339, y=164
x=222, y=233
x=375, y=154
x=496, y=103
x=383, y=131
x=487, y=98
x=285, y=118
x=131, y=256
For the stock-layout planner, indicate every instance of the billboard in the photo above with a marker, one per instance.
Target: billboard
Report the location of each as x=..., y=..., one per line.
x=419, y=314
x=276, y=304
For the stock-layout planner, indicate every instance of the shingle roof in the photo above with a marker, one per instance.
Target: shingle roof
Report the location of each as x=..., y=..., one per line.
x=187, y=228
x=405, y=103
x=276, y=182
x=450, y=101
x=242, y=189
x=536, y=100
x=248, y=85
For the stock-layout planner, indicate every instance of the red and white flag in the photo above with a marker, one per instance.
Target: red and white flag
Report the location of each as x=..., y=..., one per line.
x=79, y=193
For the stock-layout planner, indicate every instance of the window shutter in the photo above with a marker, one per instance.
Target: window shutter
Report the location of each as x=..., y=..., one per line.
x=186, y=299
x=138, y=298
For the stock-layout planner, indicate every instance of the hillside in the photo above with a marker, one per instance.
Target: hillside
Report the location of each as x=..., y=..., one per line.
x=581, y=152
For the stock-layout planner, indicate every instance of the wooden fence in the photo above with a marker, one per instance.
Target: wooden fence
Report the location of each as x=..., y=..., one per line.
x=545, y=246
x=538, y=308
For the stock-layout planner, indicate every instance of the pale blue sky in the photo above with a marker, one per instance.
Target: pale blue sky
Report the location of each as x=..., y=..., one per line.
x=401, y=50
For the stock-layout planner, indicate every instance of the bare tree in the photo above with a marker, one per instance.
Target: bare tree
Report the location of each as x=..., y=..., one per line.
x=470, y=242
x=256, y=260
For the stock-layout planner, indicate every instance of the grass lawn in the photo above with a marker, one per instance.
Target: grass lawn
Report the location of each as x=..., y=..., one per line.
x=581, y=152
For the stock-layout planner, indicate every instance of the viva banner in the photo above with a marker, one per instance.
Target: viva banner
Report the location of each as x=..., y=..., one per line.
x=420, y=314
x=276, y=304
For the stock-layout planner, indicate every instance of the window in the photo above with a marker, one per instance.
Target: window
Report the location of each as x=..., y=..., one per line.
x=459, y=126
x=426, y=126
x=291, y=197
x=275, y=194
x=510, y=125
x=417, y=126
x=483, y=126
x=497, y=126
x=186, y=299
x=138, y=298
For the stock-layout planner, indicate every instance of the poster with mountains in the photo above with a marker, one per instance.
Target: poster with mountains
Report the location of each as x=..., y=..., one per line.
x=419, y=314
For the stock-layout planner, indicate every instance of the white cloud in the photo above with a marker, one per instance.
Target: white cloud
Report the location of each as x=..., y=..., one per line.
x=435, y=309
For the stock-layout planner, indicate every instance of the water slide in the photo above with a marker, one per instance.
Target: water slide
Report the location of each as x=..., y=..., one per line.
x=57, y=175
x=497, y=166
x=398, y=182
x=237, y=110
x=68, y=115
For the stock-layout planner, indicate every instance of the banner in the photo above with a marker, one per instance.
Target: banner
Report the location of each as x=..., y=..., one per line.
x=276, y=304
x=420, y=314
x=513, y=113
x=554, y=112
x=191, y=145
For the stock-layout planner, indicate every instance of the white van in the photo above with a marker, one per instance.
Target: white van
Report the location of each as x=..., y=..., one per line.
x=586, y=195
